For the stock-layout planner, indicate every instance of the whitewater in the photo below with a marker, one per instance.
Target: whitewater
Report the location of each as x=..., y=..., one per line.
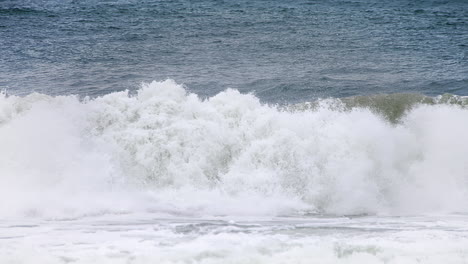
x=164, y=176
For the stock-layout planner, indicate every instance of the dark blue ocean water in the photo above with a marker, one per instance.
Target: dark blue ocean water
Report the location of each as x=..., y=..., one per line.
x=284, y=51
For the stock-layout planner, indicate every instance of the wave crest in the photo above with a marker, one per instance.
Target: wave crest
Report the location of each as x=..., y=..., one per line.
x=166, y=150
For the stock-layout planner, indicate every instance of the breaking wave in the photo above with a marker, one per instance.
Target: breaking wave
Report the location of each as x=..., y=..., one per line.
x=164, y=150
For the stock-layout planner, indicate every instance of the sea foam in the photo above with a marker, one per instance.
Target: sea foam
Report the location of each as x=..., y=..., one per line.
x=164, y=150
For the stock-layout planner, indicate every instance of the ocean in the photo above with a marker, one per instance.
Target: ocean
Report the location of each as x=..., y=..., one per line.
x=233, y=131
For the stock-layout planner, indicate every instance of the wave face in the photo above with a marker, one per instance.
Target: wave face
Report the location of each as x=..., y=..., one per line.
x=166, y=151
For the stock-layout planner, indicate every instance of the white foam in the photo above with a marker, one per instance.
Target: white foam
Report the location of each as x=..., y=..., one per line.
x=165, y=150
x=180, y=242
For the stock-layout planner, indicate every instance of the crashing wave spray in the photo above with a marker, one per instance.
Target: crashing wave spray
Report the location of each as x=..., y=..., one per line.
x=164, y=150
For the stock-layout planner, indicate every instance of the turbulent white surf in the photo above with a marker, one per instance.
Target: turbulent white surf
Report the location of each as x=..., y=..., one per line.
x=283, y=240
x=165, y=150
x=164, y=153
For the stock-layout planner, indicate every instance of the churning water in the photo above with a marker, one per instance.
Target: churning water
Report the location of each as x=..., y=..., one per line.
x=305, y=132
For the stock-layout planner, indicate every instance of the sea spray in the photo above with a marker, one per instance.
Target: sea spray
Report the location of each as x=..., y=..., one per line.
x=165, y=150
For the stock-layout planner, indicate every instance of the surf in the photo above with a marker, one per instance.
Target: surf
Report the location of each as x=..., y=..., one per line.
x=167, y=151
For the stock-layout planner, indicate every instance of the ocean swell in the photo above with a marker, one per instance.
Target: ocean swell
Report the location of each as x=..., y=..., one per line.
x=164, y=150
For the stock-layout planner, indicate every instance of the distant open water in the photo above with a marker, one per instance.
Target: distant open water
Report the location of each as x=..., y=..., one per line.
x=284, y=51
